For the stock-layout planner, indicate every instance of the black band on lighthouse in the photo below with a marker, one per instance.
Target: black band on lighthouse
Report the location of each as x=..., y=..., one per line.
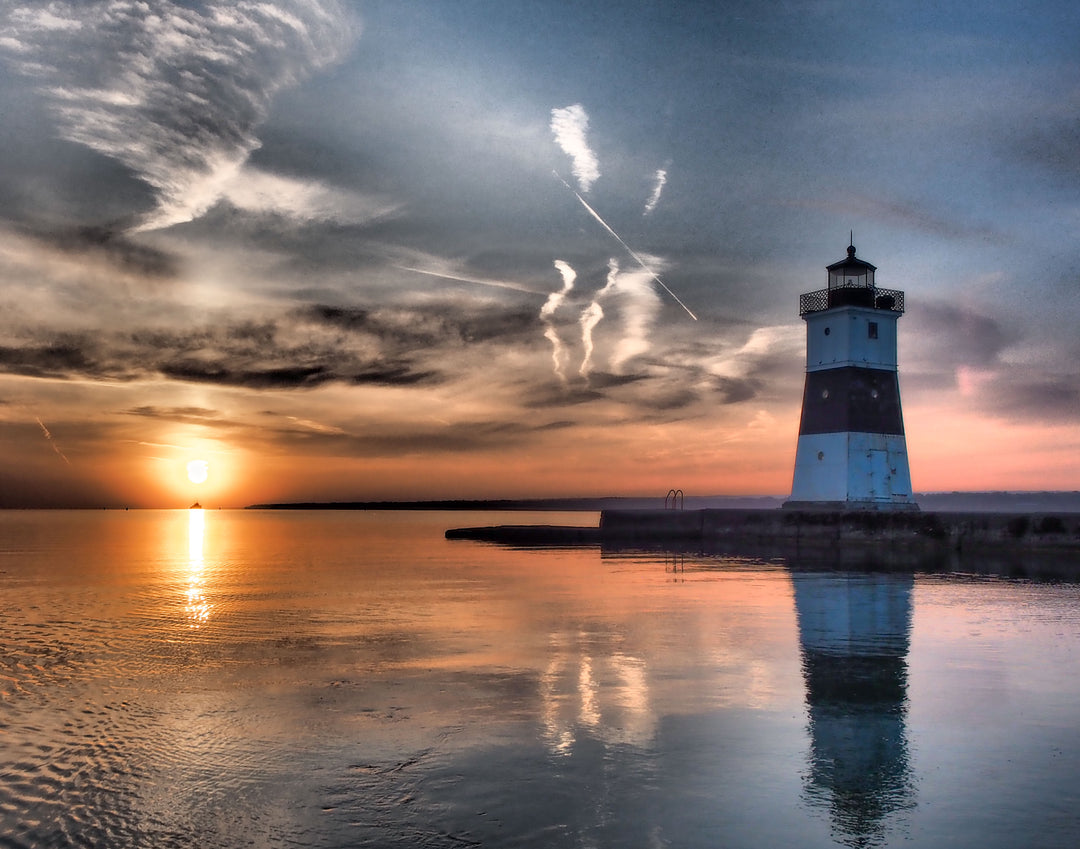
x=852, y=399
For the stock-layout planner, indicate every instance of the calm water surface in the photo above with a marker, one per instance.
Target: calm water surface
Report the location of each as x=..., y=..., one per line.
x=271, y=679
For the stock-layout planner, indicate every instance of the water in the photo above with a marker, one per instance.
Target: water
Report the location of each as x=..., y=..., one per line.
x=324, y=679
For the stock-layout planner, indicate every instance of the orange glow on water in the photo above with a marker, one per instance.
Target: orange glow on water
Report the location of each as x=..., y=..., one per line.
x=197, y=607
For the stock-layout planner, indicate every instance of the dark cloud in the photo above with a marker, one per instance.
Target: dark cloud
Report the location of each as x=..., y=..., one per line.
x=69, y=356
x=401, y=329
x=952, y=334
x=664, y=390
x=954, y=340
x=553, y=394
x=247, y=354
x=1023, y=396
x=442, y=323
x=1051, y=145
x=691, y=388
x=113, y=245
x=732, y=390
x=1057, y=399
x=203, y=416
x=183, y=414
x=299, y=349
x=284, y=377
x=391, y=374
x=669, y=399
x=415, y=438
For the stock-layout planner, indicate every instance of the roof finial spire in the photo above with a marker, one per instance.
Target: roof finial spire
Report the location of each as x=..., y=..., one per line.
x=851, y=243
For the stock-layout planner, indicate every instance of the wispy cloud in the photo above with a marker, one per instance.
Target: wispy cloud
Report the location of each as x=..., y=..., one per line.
x=591, y=317
x=174, y=93
x=547, y=316
x=659, y=181
x=639, y=305
x=256, y=191
x=570, y=126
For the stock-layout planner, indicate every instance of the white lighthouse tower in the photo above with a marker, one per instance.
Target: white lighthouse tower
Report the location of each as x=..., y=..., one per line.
x=852, y=454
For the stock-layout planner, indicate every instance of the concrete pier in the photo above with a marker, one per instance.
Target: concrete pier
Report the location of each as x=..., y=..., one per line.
x=797, y=529
x=888, y=538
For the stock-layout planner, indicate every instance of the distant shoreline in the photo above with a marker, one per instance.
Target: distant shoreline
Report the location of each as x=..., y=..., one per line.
x=980, y=502
x=494, y=504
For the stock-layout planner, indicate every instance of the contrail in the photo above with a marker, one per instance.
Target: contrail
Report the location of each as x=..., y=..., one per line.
x=499, y=284
x=628, y=249
x=52, y=442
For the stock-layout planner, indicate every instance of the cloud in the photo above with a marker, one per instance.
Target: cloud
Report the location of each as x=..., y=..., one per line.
x=765, y=349
x=547, y=316
x=256, y=191
x=381, y=440
x=989, y=364
x=188, y=415
x=435, y=324
x=69, y=355
x=288, y=353
x=1026, y=396
x=60, y=283
x=570, y=126
x=116, y=248
x=1048, y=142
x=296, y=348
x=591, y=317
x=732, y=390
x=954, y=334
x=639, y=305
x=216, y=371
x=172, y=92
x=660, y=180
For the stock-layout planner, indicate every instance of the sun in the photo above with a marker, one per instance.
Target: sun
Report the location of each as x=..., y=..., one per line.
x=198, y=470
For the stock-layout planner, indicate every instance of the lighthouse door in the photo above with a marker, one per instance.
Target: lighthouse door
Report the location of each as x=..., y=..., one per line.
x=880, y=478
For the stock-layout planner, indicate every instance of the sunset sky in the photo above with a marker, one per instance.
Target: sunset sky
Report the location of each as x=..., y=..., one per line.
x=355, y=250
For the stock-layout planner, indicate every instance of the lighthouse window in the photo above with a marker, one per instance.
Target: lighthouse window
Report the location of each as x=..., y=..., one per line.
x=871, y=329
x=826, y=331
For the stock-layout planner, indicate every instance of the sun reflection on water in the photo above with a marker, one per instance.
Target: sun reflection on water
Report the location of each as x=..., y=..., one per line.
x=197, y=607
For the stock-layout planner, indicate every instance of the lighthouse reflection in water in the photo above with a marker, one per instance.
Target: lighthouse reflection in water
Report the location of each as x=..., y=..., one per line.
x=854, y=632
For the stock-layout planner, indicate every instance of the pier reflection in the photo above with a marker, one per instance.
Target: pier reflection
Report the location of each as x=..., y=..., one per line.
x=854, y=633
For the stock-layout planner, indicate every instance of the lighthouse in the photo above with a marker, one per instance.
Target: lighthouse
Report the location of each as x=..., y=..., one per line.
x=852, y=454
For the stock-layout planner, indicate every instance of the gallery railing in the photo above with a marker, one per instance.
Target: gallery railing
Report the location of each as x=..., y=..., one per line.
x=851, y=296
